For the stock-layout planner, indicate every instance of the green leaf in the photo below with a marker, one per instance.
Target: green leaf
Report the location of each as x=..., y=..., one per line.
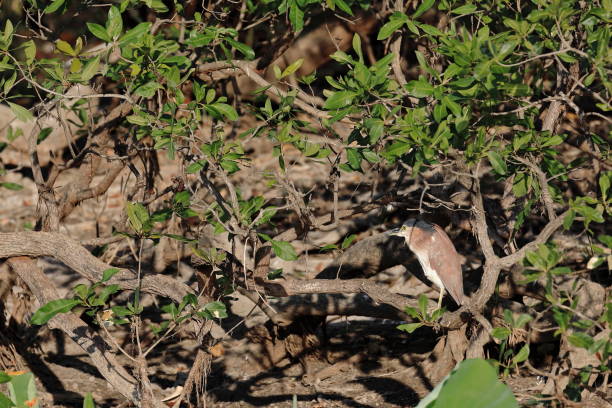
x=88, y=402
x=343, y=6
x=522, y=320
x=121, y=311
x=11, y=186
x=7, y=35
x=75, y=65
x=419, y=89
x=284, y=250
x=604, y=184
x=226, y=110
x=465, y=9
x=135, y=33
x=553, y=141
x=216, y=310
x=65, y=47
x=591, y=214
x=501, y=333
x=180, y=238
x=29, y=49
x=90, y=68
x=425, y=5
x=569, y=219
x=114, y=24
x=606, y=240
x=354, y=158
x=54, y=6
x=431, y=30
x=157, y=5
x=339, y=100
x=243, y=48
x=296, y=16
x=20, y=112
x=105, y=294
x=561, y=270
x=581, y=340
x=521, y=185
x=396, y=149
x=147, y=90
x=45, y=313
x=370, y=156
x=375, y=129
x=82, y=291
x=182, y=198
x=522, y=355
x=357, y=46
x=5, y=402
x=498, y=163
x=565, y=57
x=210, y=95
x=138, y=120
x=472, y=384
x=423, y=302
x=99, y=31
x=194, y=167
x=22, y=389
x=395, y=22
x=348, y=241
x=138, y=217
x=292, y=68
x=409, y=327
x=4, y=377
x=230, y=166
x=108, y=273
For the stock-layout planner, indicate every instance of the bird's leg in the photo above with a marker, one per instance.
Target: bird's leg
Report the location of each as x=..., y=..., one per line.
x=440, y=298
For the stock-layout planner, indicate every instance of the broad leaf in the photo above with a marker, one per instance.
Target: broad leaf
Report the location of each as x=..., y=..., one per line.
x=284, y=250
x=45, y=313
x=99, y=31
x=472, y=384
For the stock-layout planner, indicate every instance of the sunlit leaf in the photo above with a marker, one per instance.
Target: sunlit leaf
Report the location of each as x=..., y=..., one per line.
x=20, y=112
x=45, y=313
x=284, y=250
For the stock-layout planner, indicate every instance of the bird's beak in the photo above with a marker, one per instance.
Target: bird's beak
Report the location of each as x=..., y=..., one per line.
x=394, y=232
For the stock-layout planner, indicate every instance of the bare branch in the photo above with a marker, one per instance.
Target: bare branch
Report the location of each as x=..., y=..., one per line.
x=73, y=255
x=284, y=288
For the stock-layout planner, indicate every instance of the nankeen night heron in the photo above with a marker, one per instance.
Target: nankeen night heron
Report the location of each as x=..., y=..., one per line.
x=437, y=255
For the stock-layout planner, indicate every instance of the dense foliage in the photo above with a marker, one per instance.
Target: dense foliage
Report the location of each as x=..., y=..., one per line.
x=481, y=114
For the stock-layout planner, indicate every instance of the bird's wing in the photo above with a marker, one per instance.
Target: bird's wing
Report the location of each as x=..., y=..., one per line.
x=446, y=262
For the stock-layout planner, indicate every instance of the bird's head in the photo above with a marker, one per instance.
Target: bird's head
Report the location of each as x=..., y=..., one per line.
x=405, y=230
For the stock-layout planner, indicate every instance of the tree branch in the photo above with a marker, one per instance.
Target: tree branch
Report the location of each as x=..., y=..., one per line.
x=91, y=343
x=73, y=255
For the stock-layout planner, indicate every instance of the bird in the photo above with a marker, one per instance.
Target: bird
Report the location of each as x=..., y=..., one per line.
x=437, y=255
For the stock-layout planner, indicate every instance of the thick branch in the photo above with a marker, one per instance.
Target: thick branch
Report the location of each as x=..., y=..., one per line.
x=73, y=255
x=284, y=288
x=75, y=197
